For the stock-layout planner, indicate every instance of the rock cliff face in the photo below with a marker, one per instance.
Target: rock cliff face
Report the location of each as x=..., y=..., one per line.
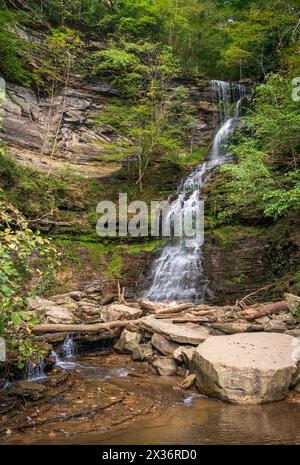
x=32, y=124
x=52, y=133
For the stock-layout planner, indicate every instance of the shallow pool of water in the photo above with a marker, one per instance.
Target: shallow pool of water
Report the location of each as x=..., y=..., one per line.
x=205, y=421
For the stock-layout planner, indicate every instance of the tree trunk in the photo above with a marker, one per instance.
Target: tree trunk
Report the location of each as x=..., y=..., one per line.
x=265, y=310
x=63, y=328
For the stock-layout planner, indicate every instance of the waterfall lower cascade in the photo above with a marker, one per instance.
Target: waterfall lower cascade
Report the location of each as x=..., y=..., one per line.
x=69, y=347
x=177, y=273
x=35, y=372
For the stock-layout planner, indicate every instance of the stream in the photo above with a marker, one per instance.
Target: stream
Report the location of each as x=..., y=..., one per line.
x=98, y=401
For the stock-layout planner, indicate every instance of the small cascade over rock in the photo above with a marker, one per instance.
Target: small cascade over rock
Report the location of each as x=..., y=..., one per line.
x=69, y=347
x=35, y=372
x=177, y=273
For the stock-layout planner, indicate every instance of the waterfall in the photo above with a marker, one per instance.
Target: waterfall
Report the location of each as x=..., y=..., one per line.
x=35, y=372
x=177, y=273
x=69, y=347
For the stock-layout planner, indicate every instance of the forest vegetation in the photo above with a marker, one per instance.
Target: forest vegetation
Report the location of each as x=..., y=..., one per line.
x=143, y=47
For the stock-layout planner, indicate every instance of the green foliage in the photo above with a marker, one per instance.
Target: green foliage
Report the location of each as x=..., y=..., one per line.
x=266, y=179
x=64, y=46
x=156, y=119
x=27, y=263
x=13, y=51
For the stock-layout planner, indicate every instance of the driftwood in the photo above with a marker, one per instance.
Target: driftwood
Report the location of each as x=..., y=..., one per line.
x=264, y=310
x=174, y=309
x=160, y=308
x=63, y=328
x=147, y=305
x=176, y=314
x=246, y=301
x=190, y=319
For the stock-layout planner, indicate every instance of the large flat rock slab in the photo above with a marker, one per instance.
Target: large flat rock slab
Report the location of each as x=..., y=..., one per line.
x=188, y=333
x=248, y=368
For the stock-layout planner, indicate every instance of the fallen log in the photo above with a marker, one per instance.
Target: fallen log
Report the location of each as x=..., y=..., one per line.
x=63, y=328
x=147, y=305
x=191, y=319
x=175, y=309
x=265, y=310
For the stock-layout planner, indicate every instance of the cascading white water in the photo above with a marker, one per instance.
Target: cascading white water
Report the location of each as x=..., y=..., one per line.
x=177, y=273
x=69, y=347
x=35, y=372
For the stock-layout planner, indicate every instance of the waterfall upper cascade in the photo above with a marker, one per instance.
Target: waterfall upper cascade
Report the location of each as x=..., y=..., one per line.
x=177, y=273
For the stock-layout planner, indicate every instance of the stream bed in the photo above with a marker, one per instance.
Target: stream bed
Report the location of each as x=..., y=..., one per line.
x=109, y=399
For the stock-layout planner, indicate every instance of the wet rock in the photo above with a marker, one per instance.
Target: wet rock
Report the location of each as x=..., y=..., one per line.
x=275, y=326
x=163, y=345
x=188, y=333
x=249, y=368
x=128, y=342
x=28, y=390
x=117, y=312
x=142, y=352
x=58, y=379
x=234, y=328
x=165, y=366
x=207, y=106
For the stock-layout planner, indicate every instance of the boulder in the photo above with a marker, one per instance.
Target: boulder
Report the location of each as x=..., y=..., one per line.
x=163, y=345
x=59, y=315
x=28, y=390
x=188, y=333
x=142, y=352
x=39, y=304
x=165, y=366
x=128, y=342
x=116, y=312
x=184, y=354
x=275, y=326
x=248, y=368
x=234, y=328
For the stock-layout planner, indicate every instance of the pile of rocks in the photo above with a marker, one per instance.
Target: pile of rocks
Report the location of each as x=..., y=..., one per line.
x=232, y=354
